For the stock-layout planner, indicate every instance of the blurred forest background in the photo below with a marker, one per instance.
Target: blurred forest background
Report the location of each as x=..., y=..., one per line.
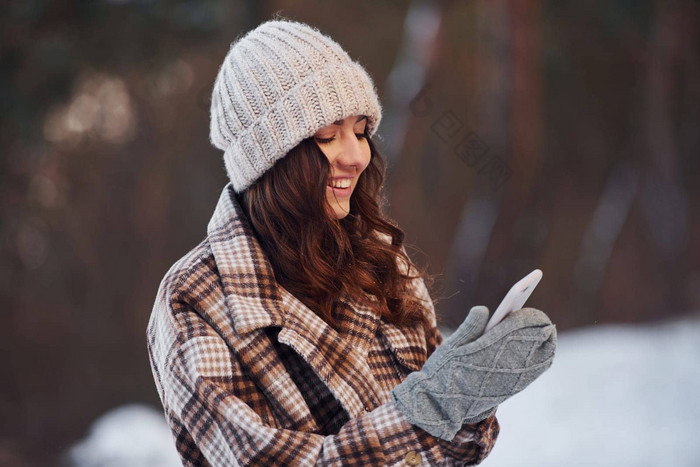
x=560, y=135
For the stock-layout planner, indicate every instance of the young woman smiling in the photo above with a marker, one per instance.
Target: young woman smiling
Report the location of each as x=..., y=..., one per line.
x=299, y=332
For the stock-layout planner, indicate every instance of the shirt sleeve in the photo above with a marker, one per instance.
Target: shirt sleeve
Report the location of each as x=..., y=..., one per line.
x=200, y=387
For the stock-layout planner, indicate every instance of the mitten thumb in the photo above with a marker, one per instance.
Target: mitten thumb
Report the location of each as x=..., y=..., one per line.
x=471, y=328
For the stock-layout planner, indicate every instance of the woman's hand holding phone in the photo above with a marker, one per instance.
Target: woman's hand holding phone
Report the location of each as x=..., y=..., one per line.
x=472, y=372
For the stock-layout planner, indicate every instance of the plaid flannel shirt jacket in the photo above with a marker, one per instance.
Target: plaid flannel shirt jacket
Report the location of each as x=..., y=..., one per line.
x=248, y=375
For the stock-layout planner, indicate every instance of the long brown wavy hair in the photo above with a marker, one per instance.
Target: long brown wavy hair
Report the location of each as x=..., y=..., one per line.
x=316, y=256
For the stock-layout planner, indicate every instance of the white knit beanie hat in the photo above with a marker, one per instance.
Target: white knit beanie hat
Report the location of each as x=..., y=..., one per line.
x=278, y=85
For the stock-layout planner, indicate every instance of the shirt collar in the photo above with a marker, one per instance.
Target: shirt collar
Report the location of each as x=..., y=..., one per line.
x=252, y=293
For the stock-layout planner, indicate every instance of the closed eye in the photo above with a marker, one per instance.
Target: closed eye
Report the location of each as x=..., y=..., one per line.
x=328, y=140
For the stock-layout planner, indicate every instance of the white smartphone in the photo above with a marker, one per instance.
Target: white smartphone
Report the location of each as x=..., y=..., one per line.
x=515, y=298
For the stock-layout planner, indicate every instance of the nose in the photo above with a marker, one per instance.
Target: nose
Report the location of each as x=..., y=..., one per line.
x=352, y=150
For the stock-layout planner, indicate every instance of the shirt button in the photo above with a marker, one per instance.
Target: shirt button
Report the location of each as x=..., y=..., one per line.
x=413, y=458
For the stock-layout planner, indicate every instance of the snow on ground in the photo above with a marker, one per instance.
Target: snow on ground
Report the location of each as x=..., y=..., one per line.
x=622, y=396
x=134, y=435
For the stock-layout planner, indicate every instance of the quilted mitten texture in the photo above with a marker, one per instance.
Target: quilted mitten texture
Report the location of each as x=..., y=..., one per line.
x=470, y=374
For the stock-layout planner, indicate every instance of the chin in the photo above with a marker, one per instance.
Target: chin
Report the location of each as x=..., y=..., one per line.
x=339, y=213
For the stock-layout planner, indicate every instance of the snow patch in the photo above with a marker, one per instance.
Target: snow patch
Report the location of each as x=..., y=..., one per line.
x=134, y=435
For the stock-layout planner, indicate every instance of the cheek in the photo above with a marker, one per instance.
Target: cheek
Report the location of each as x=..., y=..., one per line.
x=366, y=159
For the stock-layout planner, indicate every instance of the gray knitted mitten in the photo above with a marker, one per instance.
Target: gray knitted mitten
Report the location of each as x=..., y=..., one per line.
x=469, y=374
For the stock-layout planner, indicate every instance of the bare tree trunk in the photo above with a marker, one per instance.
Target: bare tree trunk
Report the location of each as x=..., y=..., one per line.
x=663, y=201
x=475, y=229
x=410, y=71
x=421, y=39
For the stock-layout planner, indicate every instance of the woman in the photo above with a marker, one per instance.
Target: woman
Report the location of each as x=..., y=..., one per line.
x=295, y=333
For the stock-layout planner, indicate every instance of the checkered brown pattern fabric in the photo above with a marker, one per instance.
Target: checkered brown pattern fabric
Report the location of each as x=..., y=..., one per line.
x=248, y=375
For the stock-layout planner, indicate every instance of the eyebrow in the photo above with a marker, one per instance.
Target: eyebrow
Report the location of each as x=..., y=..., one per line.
x=360, y=118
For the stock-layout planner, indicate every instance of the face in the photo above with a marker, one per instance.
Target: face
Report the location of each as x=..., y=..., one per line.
x=348, y=154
